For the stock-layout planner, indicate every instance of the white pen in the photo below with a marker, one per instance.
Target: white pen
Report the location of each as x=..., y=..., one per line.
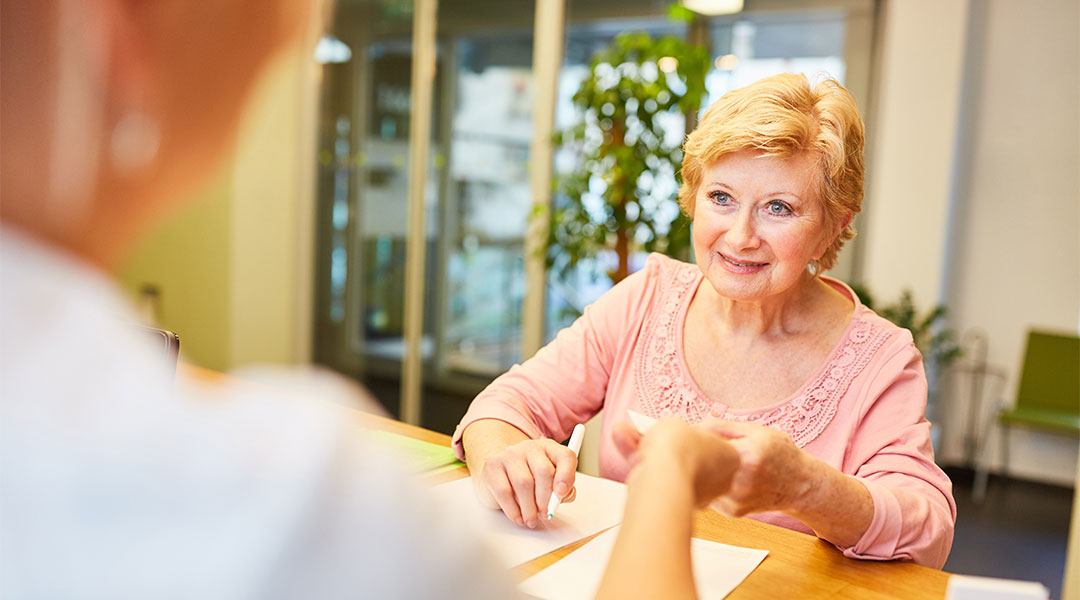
x=575, y=447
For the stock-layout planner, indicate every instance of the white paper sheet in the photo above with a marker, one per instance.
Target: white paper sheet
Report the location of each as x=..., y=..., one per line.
x=599, y=505
x=718, y=569
x=641, y=421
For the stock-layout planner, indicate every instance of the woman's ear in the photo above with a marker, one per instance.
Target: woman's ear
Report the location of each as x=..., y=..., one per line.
x=839, y=228
x=847, y=221
x=133, y=113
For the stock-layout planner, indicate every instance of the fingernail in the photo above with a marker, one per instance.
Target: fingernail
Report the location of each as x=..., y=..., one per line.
x=561, y=489
x=532, y=524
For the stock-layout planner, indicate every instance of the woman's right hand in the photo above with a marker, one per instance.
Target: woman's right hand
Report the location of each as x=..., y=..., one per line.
x=519, y=480
x=515, y=474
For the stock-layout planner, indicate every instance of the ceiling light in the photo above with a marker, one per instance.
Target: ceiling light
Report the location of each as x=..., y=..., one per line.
x=714, y=7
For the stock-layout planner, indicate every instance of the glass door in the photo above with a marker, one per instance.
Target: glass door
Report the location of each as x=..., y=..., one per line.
x=362, y=188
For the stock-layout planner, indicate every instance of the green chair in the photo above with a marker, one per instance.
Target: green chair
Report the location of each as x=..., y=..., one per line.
x=1048, y=397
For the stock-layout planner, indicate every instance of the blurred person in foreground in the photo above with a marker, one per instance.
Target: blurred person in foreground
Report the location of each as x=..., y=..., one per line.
x=116, y=482
x=823, y=399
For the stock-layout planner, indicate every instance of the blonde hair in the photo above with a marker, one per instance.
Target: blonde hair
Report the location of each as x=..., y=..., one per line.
x=782, y=116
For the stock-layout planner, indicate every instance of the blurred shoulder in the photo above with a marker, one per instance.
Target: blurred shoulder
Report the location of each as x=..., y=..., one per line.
x=347, y=493
x=297, y=419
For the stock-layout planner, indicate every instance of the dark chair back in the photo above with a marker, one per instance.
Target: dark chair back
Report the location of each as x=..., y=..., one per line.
x=169, y=343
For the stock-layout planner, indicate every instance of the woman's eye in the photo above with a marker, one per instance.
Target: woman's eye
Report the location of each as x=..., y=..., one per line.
x=778, y=208
x=720, y=197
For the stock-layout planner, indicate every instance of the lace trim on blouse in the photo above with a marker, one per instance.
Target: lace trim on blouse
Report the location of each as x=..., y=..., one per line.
x=664, y=391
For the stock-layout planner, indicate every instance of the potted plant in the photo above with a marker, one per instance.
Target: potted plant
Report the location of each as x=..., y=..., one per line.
x=622, y=199
x=937, y=344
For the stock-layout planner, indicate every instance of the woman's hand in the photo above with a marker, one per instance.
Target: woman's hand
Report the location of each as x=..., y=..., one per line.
x=772, y=469
x=775, y=474
x=519, y=480
x=515, y=474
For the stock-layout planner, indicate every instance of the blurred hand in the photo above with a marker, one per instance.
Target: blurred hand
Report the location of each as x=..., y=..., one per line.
x=771, y=469
x=519, y=479
x=707, y=459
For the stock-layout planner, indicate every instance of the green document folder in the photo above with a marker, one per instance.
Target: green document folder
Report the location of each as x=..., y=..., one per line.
x=424, y=457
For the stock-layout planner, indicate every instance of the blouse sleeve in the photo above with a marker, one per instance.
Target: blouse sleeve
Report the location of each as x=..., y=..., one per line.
x=565, y=382
x=914, y=510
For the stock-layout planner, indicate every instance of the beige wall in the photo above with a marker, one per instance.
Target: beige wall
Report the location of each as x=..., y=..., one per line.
x=911, y=148
x=1016, y=262
x=235, y=269
x=272, y=214
x=187, y=259
x=977, y=114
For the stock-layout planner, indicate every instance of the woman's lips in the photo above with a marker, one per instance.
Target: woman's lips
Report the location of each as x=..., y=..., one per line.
x=740, y=266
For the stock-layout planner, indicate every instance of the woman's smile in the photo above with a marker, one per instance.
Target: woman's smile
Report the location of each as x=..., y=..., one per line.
x=741, y=267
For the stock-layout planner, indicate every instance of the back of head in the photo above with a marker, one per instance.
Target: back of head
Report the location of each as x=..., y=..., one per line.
x=783, y=116
x=115, y=109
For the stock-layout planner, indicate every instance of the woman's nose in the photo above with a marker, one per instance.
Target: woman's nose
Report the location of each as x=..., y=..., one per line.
x=742, y=234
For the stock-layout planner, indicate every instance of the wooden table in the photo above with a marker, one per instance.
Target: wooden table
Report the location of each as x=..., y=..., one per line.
x=799, y=566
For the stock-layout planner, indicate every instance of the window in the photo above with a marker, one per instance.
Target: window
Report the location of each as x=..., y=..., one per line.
x=476, y=194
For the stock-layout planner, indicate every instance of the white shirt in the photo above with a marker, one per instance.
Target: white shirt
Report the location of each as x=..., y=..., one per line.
x=118, y=482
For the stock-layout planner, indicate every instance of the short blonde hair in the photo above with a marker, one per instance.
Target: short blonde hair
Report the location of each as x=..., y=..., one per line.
x=782, y=116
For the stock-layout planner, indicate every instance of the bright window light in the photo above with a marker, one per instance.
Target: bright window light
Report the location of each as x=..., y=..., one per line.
x=714, y=7
x=331, y=50
x=727, y=62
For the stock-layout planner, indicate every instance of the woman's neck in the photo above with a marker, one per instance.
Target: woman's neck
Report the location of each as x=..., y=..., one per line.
x=783, y=315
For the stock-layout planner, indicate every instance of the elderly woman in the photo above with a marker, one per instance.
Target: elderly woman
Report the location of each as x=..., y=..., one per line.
x=823, y=399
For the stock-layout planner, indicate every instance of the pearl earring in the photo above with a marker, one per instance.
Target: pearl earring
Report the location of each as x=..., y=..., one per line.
x=134, y=143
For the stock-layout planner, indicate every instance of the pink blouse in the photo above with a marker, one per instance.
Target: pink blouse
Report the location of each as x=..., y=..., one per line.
x=862, y=412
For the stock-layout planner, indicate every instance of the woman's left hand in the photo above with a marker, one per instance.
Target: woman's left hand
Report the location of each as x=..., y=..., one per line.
x=772, y=472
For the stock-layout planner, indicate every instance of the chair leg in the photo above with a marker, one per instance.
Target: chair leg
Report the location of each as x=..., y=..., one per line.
x=1005, y=451
x=982, y=464
x=978, y=490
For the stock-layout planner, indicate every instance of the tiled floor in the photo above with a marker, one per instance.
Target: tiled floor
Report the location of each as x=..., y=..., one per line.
x=1020, y=531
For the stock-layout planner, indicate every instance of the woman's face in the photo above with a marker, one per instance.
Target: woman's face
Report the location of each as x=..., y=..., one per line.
x=758, y=222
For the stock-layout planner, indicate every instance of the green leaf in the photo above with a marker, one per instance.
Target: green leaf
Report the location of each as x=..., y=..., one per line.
x=617, y=151
x=936, y=342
